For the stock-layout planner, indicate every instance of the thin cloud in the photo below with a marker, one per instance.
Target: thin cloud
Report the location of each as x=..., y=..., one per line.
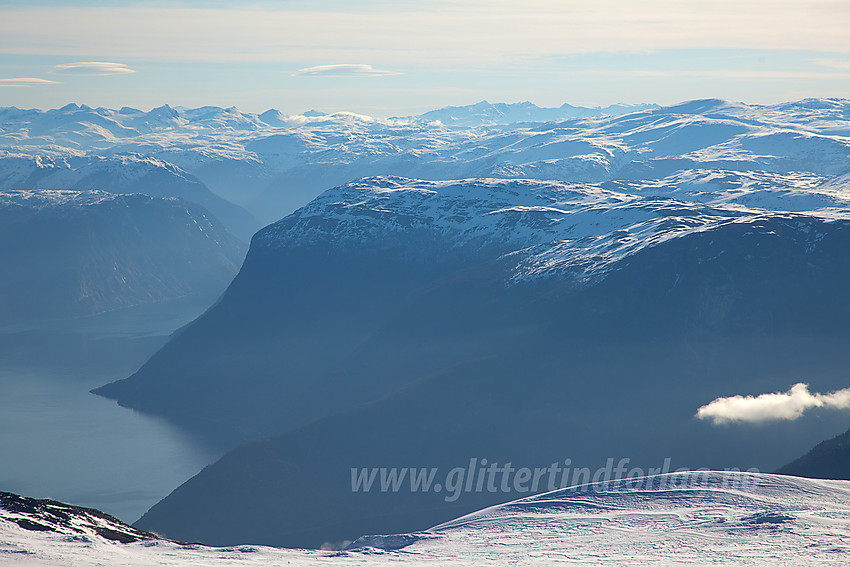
x=777, y=406
x=772, y=75
x=93, y=68
x=718, y=73
x=26, y=82
x=832, y=63
x=433, y=33
x=343, y=70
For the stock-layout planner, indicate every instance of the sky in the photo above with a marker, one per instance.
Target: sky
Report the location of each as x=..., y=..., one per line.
x=402, y=57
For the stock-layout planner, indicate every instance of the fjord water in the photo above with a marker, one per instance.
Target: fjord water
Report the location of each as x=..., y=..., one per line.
x=58, y=440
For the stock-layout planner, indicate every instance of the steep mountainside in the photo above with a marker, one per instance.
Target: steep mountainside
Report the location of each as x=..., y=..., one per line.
x=828, y=459
x=421, y=265
x=73, y=253
x=530, y=376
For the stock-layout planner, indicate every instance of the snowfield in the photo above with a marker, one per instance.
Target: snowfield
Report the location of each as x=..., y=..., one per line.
x=687, y=518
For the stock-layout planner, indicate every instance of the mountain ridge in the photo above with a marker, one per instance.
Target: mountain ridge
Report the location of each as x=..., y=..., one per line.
x=79, y=253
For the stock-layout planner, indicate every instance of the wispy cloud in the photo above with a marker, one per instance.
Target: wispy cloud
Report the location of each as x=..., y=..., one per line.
x=717, y=73
x=94, y=68
x=833, y=63
x=26, y=82
x=777, y=406
x=343, y=70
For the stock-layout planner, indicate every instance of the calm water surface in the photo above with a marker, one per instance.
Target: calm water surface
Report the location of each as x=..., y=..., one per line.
x=59, y=441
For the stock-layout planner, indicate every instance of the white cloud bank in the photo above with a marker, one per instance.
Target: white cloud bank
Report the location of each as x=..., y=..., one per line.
x=772, y=407
x=93, y=68
x=343, y=70
x=26, y=82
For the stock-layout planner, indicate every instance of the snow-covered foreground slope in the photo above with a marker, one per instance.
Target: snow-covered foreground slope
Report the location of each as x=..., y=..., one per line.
x=690, y=518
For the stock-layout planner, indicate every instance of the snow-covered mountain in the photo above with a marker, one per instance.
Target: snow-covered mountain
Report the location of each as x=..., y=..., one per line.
x=697, y=518
x=544, y=228
x=395, y=234
x=271, y=163
x=73, y=253
x=128, y=173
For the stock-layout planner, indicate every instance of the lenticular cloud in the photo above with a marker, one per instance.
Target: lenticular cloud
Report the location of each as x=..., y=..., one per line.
x=26, y=82
x=93, y=68
x=344, y=70
x=772, y=407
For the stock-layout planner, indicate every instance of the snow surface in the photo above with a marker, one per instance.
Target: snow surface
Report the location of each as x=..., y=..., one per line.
x=687, y=518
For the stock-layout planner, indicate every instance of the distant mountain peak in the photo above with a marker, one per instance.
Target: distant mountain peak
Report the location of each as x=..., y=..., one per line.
x=73, y=107
x=698, y=106
x=164, y=111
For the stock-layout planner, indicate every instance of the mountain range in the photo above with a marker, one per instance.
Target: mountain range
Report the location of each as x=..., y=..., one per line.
x=271, y=163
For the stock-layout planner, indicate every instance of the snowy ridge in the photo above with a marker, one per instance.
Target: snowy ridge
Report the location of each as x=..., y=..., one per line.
x=543, y=228
x=121, y=174
x=45, y=198
x=56, y=172
x=692, y=518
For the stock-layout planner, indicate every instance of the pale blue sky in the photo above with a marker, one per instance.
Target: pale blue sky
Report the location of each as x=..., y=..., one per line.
x=393, y=58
